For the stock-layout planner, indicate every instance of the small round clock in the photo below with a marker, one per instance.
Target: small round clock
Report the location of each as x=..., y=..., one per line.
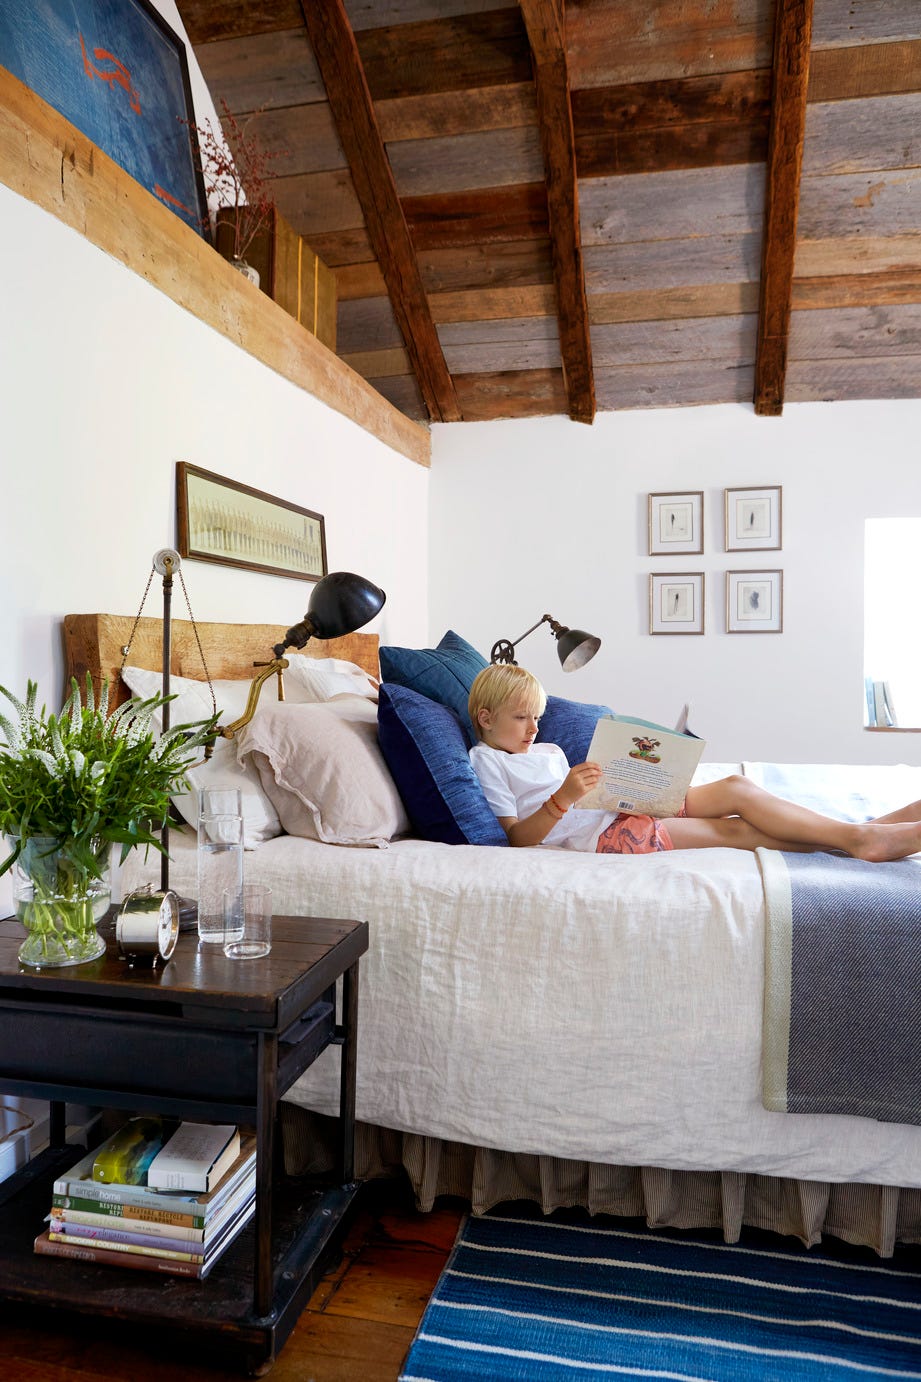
x=147, y=927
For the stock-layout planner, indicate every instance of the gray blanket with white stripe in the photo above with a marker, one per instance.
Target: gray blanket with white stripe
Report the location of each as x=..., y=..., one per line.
x=842, y=997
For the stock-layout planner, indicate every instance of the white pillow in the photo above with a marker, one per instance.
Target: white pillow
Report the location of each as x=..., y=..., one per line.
x=323, y=769
x=193, y=702
x=323, y=678
x=307, y=679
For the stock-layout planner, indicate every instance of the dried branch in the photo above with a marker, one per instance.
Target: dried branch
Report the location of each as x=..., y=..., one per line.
x=237, y=173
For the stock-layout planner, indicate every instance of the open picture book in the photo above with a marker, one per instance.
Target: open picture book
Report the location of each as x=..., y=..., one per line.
x=647, y=768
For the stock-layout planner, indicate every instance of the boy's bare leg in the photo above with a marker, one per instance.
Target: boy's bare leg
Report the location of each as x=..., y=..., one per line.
x=730, y=832
x=780, y=824
x=912, y=812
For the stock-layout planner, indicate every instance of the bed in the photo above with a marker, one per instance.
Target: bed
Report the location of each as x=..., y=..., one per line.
x=566, y=1028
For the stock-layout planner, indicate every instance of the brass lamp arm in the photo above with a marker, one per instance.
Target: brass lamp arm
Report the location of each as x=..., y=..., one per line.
x=276, y=666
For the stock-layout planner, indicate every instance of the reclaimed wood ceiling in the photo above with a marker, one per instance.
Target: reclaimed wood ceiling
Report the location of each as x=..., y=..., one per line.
x=559, y=206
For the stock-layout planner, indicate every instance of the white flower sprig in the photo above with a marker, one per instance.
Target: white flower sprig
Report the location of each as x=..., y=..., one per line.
x=89, y=778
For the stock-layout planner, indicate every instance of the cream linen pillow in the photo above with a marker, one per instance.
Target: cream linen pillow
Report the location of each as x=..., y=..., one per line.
x=193, y=702
x=323, y=770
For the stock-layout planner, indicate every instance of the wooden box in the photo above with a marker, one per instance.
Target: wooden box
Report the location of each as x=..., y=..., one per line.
x=289, y=273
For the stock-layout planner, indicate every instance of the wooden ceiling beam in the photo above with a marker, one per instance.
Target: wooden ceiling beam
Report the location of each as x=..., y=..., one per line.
x=792, y=39
x=337, y=56
x=545, y=24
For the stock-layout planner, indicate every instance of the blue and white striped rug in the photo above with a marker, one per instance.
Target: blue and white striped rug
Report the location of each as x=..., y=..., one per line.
x=540, y=1299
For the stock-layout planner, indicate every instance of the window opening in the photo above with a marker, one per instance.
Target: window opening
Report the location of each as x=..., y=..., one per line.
x=891, y=649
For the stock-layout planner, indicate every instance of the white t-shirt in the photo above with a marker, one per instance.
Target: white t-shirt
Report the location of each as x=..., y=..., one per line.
x=516, y=784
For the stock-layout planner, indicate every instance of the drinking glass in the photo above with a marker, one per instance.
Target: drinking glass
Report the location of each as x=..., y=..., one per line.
x=248, y=922
x=220, y=858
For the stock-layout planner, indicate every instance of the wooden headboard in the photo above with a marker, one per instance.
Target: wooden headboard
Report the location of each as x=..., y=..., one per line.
x=95, y=643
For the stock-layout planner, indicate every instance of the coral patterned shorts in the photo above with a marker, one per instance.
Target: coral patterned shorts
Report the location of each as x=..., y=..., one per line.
x=635, y=835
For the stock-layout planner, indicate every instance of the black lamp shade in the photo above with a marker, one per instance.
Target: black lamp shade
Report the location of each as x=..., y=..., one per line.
x=575, y=647
x=342, y=602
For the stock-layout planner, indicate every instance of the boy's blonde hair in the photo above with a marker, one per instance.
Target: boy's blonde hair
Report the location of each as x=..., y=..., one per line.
x=500, y=685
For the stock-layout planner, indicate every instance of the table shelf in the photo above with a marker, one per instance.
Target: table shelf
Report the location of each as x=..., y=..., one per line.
x=216, y=1310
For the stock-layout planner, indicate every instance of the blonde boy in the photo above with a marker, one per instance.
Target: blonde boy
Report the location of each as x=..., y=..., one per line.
x=530, y=787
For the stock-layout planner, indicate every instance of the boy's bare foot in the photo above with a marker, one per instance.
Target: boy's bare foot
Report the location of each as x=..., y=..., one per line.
x=879, y=843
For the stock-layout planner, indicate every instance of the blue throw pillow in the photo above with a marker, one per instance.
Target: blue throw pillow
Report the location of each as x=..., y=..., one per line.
x=444, y=674
x=425, y=749
x=570, y=724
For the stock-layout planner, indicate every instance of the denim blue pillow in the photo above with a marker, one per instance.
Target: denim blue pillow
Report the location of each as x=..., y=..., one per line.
x=444, y=674
x=425, y=749
x=570, y=724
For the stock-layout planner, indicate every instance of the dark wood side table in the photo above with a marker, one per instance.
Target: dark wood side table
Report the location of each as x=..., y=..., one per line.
x=203, y=1038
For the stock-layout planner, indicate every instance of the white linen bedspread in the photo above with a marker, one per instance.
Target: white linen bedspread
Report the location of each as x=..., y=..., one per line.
x=596, y=1007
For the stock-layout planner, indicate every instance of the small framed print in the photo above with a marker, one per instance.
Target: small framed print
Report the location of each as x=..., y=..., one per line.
x=676, y=602
x=753, y=519
x=676, y=523
x=754, y=601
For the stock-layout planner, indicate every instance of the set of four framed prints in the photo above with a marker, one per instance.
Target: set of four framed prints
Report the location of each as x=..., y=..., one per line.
x=753, y=522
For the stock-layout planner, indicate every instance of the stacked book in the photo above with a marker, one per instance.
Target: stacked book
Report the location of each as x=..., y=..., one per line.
x=165, y=1224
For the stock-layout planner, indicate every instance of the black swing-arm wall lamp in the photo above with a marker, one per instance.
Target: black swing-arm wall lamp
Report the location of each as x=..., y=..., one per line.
x=574, y=647
x=341, y=603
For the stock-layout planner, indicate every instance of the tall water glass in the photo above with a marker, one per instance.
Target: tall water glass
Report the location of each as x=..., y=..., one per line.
x=220, y=858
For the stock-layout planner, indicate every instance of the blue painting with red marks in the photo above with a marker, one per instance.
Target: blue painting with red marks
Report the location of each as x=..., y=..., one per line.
x=116, y=70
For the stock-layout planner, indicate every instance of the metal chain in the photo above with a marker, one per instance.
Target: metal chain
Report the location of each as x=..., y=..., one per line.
x=134, y=627
x=137, y=619
x=201, y=651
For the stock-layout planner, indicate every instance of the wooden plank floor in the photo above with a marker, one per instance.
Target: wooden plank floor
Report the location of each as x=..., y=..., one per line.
x=357, y=1327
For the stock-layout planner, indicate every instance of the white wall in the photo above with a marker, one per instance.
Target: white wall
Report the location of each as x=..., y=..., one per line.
x=205, y=111
x=548, y=516
x=104, y=385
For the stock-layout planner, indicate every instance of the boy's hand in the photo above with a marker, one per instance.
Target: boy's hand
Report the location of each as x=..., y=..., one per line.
x=580, y=780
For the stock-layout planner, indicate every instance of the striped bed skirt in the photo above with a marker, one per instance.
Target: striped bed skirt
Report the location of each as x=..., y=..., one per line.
x=875, y=1216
